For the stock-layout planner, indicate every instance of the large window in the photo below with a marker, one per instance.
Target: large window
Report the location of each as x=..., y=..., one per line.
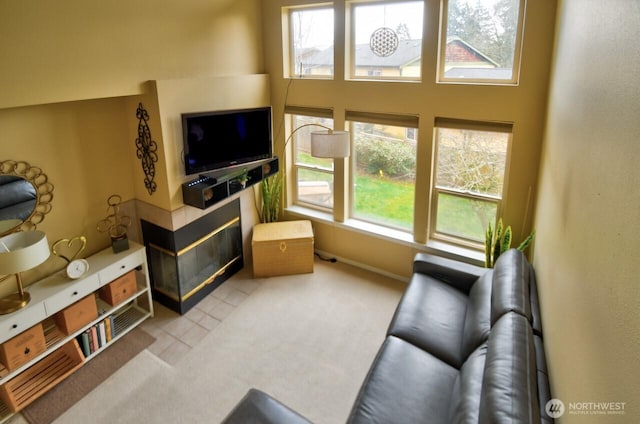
x=313, y=176
x=311, y=42
x=386, y=40
x=384, y=169
x=481, y=41
x=469, y=179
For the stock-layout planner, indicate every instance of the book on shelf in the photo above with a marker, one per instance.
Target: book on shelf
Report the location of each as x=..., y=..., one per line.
x=102, y=338
x=107, y=328
x=84, y=343
x=93, y=338
x=97, y=336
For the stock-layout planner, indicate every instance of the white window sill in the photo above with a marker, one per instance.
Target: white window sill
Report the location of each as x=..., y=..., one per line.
x=396, y=236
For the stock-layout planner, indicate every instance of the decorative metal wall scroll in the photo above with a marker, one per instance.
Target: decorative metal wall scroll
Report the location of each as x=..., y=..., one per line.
x=383, y=42
x=147, y=149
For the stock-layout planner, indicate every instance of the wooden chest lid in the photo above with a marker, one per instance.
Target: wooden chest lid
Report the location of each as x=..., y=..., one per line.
x=285, y=230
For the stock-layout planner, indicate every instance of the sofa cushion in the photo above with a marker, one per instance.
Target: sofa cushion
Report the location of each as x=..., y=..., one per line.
x=536, y=321
x=509, y=386
x=464, y=406
x=510, y=291
x=477, y=321
x=431, y=315
x=404, y=385
x=544, y=393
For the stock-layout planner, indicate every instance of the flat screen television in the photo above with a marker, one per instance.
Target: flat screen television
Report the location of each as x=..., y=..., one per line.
x=220, y=139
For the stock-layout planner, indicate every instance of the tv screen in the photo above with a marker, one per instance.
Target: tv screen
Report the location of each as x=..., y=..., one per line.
x=219, y=139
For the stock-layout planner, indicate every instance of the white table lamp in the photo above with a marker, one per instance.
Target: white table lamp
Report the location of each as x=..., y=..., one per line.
x=20, y=252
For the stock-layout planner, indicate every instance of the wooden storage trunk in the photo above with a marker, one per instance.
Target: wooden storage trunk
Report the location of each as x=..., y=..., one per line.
x=119, y=289
x=282, y=248
x=23, y=347
x=75, y=316
x=38, y=379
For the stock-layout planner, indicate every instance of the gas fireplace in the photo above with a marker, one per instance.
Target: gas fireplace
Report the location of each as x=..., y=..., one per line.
x=187, y=264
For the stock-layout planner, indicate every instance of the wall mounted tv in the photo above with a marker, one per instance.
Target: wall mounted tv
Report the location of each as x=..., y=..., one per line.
x=220, y=139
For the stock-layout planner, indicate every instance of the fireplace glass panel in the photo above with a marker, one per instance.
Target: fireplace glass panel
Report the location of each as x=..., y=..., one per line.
x=181, y=274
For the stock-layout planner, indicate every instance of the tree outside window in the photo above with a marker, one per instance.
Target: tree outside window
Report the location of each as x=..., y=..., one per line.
x=469, y=181
x=481, y=40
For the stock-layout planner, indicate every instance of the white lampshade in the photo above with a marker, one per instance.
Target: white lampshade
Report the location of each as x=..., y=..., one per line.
x=330, y=144
x=22, y=251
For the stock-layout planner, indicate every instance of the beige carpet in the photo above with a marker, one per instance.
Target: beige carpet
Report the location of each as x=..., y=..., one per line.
x=308, y=340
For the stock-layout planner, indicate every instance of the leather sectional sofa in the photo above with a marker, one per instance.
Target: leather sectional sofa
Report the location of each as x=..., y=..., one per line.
x=464, y=346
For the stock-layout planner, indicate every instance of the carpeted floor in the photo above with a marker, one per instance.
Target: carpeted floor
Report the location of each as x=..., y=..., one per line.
x=307, y=340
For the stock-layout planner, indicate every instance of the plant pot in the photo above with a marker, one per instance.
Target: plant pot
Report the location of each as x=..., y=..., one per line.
x=119, y=244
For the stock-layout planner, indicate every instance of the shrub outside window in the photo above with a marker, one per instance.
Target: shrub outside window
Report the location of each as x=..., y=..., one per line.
x=386, y=40
x=469, y=180
x=481, y=41
x=314, y=176
x=311, y=42
x=384, y=169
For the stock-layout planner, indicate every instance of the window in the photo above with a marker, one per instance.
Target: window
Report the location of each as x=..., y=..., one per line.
x=469, y=179
x=311, y=42
x=482, y=41
x=313, y=176
x=386, y=40
x=384, y=169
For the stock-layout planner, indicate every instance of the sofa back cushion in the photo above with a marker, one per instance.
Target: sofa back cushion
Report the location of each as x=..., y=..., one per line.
x=510, y=291
x=477, y=321
x=509, y=385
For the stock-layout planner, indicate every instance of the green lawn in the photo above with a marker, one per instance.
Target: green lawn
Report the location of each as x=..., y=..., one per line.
x=390, y=202
x=382, y=200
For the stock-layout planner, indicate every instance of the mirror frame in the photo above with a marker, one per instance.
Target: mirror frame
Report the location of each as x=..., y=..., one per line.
x=44, y=192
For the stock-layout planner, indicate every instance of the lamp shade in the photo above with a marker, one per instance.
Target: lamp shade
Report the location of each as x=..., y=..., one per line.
x=22, y=251
x=330, y=144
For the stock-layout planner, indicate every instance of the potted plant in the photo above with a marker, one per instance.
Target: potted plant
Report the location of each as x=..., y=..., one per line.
x=500, y=241
x=271, y=189
x=243, y=178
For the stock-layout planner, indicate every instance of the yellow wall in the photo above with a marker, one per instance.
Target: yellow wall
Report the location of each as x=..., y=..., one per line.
x=197, y=95
x=588, y=213
x=524, y=105
x=72, y=75
x=82, y=147
x=73, y=49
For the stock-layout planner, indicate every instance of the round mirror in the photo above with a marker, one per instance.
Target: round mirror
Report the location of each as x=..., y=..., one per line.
x=25, y=196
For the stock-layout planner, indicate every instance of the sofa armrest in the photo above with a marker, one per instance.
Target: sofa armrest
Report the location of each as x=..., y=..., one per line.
x=455, y=273
x=257, y=407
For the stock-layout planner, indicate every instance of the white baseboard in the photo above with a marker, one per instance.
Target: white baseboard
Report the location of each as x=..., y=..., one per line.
x=328, y=255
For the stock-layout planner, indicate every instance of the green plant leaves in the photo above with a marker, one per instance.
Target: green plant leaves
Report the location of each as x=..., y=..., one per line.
x=499, y=242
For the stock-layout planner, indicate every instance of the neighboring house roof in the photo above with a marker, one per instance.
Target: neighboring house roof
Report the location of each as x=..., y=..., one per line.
x=471, y=52
x=408, y=52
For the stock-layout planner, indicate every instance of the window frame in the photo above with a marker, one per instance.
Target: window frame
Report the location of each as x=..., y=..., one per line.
x=290, y=115
x=435, y=191
x=402, y=121
x=289, y=66
x=442, y=46
x=350, y=43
